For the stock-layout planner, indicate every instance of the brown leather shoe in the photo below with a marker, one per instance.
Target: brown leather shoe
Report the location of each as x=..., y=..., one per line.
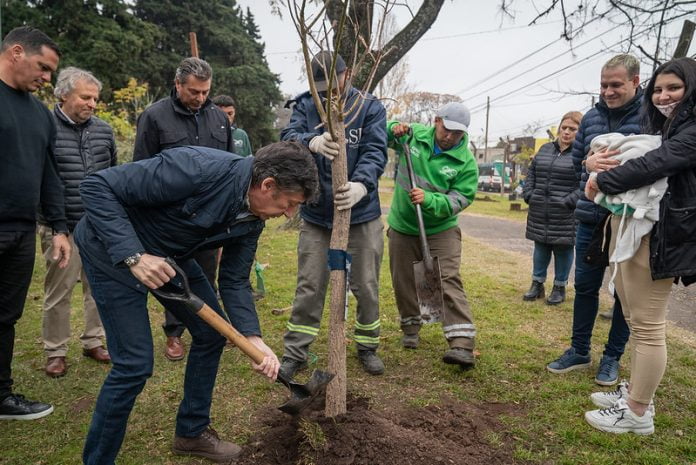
x=175, y=349
x=100, y=354
x=208, y=445
x=56, y=367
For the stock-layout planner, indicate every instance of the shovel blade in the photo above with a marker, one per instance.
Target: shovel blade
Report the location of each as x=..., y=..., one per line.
x=429, y=290
x=301, y=395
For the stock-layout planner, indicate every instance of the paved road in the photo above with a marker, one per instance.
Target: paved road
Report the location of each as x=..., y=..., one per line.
x=509, y=235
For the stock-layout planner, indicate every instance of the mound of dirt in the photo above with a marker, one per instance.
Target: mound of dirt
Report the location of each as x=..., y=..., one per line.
x=445, y=434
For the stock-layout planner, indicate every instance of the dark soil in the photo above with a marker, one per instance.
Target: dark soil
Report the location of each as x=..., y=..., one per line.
x=451, y=432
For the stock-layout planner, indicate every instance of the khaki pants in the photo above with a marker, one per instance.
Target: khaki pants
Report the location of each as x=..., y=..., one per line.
x=644, y=304
x=58, y=289
x=457, y=323
x=365, y=245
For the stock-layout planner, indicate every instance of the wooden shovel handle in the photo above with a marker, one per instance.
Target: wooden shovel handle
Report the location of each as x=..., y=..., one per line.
x=230, y=332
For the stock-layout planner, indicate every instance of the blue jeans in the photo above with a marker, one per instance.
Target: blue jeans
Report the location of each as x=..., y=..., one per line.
x=123, y=312
x=588, y=282
x=562, y=262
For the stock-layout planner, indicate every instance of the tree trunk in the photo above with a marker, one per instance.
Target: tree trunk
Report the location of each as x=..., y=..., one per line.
x=336, y=390
x=393, y=51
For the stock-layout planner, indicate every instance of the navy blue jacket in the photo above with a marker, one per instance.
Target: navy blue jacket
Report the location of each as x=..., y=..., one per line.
x=596, y=122
x=366, y=138
x=182, y=200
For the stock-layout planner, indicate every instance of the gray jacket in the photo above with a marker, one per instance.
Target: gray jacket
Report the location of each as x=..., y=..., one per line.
x=80, y=150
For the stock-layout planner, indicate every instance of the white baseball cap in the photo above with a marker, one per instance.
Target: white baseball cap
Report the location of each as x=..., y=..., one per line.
x=455, y=116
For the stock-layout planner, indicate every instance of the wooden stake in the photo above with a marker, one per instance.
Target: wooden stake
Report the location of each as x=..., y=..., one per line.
x=194, y=44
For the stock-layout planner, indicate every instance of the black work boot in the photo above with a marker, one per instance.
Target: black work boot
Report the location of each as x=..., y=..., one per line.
x=557, y=295
x=536, y=291
x=460, y=356
x=290, y=366
x=371, y=362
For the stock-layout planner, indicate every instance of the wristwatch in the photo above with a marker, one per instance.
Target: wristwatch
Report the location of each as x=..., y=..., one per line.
x=132, y=260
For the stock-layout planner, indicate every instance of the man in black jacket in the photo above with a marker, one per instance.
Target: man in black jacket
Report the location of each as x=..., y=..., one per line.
x=28, y=180
x=186, y=117
x=84, y=144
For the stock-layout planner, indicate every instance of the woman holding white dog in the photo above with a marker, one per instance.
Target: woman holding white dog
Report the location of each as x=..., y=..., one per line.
x=666, y=255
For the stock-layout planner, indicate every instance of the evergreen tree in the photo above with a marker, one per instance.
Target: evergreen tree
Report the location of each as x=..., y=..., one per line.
x=239, y=67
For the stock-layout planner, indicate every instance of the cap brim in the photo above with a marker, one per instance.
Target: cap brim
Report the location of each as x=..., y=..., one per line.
x=453, y=125
x=321, y=85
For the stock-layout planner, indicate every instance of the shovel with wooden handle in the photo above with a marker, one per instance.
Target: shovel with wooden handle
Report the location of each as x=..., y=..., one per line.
x=427, y=271
x=301, y=395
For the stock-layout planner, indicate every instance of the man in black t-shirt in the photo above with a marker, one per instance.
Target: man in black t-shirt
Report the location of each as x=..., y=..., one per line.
x=28, y=181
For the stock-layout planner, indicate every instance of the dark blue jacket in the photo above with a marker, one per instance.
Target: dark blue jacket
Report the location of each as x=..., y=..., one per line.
x=182, y=200
x=366, y=138
x=601, y=120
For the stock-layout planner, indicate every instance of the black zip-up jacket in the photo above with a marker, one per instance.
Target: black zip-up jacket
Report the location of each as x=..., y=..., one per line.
x=673, y=241
x=168, y=123
x=80, y=150
x=28, y=175
x=549, y=190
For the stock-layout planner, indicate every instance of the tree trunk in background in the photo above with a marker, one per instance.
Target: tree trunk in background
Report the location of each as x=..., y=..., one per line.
x=359, y=12
x=336, y=390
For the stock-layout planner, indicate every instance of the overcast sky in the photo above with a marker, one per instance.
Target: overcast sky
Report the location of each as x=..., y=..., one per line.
x=473, y=52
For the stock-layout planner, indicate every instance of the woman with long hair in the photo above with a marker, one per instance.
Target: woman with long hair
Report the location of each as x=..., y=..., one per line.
x=549, y=191
x=666, y=255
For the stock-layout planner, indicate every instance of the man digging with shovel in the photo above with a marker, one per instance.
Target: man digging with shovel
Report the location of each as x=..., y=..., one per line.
x=172, y=205
x=445, y=181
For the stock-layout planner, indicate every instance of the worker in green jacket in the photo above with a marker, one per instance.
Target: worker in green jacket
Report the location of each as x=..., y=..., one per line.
x=446, y=176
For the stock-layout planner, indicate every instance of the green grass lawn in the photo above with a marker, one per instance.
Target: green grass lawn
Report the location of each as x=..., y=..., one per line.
x=515, y=339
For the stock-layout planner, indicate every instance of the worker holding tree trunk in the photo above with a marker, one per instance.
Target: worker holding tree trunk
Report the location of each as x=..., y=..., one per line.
x=367, y=156
x=446, y=176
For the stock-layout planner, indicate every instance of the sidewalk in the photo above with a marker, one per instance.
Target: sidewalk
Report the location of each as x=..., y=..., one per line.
x=509, y=235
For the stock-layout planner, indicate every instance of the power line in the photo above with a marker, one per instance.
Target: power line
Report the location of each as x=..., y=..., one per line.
x=543, y=78
x=508, y=66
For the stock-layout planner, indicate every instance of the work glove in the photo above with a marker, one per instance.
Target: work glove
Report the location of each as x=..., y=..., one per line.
x=324, y=145
x=349, y=194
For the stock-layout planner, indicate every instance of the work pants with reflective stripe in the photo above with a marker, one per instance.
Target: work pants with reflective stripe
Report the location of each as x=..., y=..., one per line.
x=366, y=246
x=457, y=321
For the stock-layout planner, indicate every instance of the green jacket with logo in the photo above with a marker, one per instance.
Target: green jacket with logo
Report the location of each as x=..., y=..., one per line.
x=449, y=179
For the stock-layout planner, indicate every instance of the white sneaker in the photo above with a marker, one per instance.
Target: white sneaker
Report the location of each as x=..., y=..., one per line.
x=606, y=399
x=620, y=419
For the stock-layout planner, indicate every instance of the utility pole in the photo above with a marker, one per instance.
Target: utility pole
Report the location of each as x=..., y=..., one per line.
x=194, y=44
x=506, y=156
x=485, y=142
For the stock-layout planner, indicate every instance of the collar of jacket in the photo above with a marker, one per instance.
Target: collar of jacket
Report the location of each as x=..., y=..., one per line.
x=627, y=107
x=427, y=137
x=64, y=119
x=180, y=108
x=558, y=147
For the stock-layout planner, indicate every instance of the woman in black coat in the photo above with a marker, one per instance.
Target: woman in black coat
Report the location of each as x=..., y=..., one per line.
x=666, y=255
x=550, y=192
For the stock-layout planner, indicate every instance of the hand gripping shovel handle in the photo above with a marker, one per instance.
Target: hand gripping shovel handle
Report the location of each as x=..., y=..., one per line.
x=427, y=258
x=207, y=314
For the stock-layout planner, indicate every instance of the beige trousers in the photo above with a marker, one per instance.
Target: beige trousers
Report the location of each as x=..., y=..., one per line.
x=644, y=304
x=58, y=289
x=458, y=320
